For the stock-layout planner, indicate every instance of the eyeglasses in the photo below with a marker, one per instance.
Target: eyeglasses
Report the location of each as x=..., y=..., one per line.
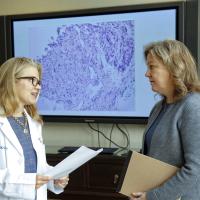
x=33, y=79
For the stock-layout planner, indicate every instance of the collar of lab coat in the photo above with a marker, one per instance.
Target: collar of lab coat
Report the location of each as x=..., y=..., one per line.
x=8, y=132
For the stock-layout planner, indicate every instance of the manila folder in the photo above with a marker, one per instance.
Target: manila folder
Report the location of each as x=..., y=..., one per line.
x=144, y=173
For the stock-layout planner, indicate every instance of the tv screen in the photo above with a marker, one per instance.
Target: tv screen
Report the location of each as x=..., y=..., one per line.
x=93, y=64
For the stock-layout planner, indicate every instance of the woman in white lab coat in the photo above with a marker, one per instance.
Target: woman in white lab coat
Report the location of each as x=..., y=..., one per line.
x=22, y=152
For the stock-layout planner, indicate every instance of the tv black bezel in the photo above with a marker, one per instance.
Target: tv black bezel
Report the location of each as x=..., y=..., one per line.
x=179, y=6
x=2, y=39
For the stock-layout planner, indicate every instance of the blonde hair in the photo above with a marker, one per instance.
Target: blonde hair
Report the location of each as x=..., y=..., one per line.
x=179, y=62
x=9, y=71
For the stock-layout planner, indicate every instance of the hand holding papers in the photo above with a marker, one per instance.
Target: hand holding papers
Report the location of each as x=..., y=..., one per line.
x=72, y=162
x=144, y=173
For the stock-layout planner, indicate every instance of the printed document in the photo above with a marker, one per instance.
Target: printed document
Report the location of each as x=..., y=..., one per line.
x=72, y=162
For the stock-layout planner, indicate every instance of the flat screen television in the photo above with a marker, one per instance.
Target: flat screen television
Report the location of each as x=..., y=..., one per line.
x=93, y=64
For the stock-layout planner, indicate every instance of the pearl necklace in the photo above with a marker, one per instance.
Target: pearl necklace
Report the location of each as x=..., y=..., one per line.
x=23, y=125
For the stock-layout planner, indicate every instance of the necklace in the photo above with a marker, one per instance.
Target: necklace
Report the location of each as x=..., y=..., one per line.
x=23, y=125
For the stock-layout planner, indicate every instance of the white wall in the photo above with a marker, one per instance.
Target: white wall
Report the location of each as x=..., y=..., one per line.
x=60, y=134
x=76, y=134
x=34, y=6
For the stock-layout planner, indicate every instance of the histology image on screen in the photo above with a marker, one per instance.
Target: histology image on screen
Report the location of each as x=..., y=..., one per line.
x=88, y=67
x=93, y=65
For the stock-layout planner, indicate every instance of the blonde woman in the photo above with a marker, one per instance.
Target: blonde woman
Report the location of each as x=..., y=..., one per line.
x=173, y=131
x=22, y=152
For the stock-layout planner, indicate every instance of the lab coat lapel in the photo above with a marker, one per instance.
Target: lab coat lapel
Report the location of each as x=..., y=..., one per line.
x=33, y=128
x=37, y=142
x=7, y=130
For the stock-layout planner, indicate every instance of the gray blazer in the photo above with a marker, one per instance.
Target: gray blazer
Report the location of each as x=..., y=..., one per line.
x=176, y=141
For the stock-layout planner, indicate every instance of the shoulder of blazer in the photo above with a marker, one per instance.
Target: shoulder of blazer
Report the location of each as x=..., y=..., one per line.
x=156, y=107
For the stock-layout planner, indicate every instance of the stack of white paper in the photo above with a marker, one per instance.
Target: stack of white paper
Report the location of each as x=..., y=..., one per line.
x=72, y=162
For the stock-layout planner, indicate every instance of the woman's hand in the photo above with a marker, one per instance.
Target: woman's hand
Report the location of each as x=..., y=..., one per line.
x=41, y=180
x=138, y=196
x=62, y=182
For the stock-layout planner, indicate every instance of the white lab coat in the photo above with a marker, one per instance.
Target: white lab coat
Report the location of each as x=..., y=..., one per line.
x=14, y=183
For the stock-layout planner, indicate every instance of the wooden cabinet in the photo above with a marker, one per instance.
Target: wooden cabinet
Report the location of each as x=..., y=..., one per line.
x=95, y=180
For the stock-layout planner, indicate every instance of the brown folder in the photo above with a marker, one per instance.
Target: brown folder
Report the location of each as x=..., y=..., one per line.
x=143, y=173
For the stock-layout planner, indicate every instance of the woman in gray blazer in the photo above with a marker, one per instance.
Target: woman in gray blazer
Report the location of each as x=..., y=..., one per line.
x=173, y=131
